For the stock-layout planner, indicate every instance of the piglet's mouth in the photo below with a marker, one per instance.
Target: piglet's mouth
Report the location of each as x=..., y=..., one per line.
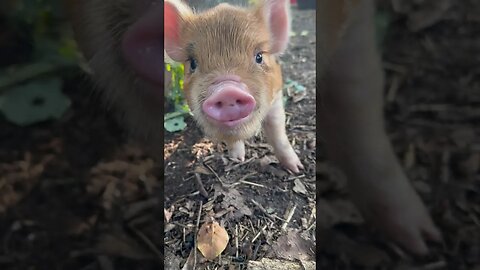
x=230, y=123
x=229, y=103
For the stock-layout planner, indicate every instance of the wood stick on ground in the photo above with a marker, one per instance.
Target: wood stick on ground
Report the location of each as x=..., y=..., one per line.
x=260, y=207
x=259, y=233
x=289, y=217
x=215, y=173
x=200, y=186
x=196, y=232
x=236, y=240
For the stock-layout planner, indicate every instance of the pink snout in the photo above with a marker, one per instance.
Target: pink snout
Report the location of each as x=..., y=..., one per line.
x=229, y=104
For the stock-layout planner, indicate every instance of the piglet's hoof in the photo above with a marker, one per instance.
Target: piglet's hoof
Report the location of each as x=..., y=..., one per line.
x=236, y=151
x=291, y=162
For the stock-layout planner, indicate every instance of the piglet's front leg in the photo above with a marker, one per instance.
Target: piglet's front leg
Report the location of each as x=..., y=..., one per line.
x=274, y=128
x=236, y=150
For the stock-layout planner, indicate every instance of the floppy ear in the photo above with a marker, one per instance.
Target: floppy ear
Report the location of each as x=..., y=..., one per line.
x=276, y=14
x=174, y=14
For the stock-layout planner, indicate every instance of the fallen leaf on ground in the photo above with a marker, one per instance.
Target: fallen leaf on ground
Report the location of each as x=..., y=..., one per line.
x=212, y=239
x=233, y=198
x=300, y=187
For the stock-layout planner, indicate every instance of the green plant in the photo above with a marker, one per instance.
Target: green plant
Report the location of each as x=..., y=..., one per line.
x=174, y=120
x=39, y=76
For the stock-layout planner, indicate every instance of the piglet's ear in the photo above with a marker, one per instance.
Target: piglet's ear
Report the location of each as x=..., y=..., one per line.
x=175, y=13
x=277, y=17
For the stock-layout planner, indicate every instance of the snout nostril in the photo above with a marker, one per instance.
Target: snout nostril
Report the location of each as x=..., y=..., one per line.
x=218, y=104
x=239, y=102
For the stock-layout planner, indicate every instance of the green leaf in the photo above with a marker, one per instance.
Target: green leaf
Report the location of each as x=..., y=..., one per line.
x=175, y=124
x=34, y=102
x=296, y=86
x=18, y=74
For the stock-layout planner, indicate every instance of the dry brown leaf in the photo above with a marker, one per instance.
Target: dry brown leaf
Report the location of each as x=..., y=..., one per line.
x=233, y=198
x=212, y=239
x=300, y=187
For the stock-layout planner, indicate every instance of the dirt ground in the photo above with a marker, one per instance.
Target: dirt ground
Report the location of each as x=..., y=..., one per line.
x=77, y=194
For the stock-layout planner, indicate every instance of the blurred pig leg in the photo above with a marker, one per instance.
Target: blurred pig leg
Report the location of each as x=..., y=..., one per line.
x=352, y=124
x=236, y=150
x=274, y=128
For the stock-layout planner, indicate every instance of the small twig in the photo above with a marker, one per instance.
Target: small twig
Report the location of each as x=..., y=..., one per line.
x=236, y=240
x=255, y=251
x=242, y=181
x=239, y=164
x=215, y=173
x=289, y=217
x=260, y=207
x=259, y=233
x=196, y=232
x=310, y=227
x=184, y=236
x=291, y=178
x=200, y=186
x=251, y=183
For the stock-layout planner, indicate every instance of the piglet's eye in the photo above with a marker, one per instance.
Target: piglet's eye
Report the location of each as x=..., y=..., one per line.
x=259, y=58
x=193, y=64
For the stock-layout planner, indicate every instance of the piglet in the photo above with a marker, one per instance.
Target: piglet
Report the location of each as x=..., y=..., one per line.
x=233, y=80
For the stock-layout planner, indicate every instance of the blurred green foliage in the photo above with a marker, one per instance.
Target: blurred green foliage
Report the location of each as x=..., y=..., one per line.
x=41, y=49
x=37, y=32
x=174, y=120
